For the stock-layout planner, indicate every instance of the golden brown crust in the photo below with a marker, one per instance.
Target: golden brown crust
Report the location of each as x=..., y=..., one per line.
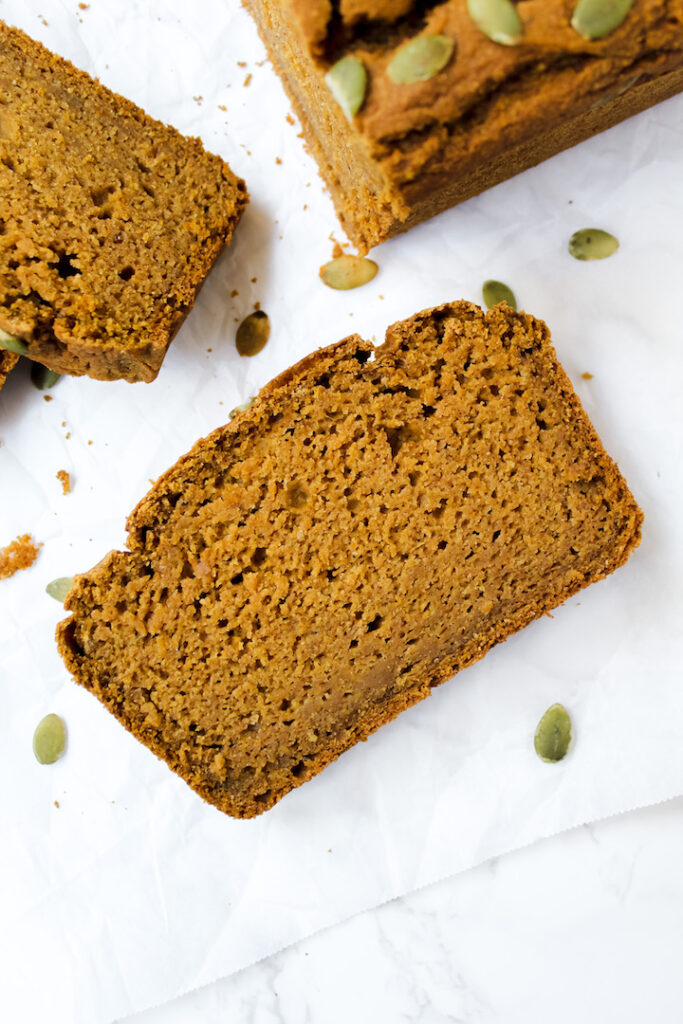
x=111, y=220
x=373, y=523
x=414, y=149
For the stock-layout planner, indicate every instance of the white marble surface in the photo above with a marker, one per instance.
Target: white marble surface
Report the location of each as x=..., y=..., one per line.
x=584, y=927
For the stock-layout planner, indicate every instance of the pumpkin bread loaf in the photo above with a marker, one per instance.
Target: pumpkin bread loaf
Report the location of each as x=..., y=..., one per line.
x=110, y=220
x=375, y=522
x=478, y=111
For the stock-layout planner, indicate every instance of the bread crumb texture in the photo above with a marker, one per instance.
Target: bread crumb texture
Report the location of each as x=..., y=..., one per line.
x=374, y=522
x=7, y=361
x=65, y=480
x=110, y=221
x=20, y=554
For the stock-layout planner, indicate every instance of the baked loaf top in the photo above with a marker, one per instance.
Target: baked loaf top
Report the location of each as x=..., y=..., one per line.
x=110, y=220
x=488, y=95
x=377, y=520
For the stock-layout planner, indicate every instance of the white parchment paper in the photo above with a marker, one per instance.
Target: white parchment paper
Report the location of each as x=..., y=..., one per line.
x=133, y=891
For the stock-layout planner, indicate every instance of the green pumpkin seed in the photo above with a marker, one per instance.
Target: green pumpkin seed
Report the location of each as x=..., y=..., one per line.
x=12, y=344
x=347, y=271
x=497, y=19
x=595, y=19
x=43, y=378
x=553, y=734
x=347, y=80
x=494, y=292
x=49, y=739
x=241, y=408
x=592, y=244
x=253, y=333
x=60, y=588
x=420, y=59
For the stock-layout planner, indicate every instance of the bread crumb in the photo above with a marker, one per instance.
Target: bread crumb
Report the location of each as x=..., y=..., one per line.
x=257, y=306
x=57, y=804
x=83, y=7
x=289, y=119
x=20, y=554
x=234, y=293
x=198, y=100
x=337, y=251
x=587, y=376
x=47, y=398
x=247, y=80
x=241, y=63
x=278, y=160
x=222, y=106
x=254, y=280
x=65, y=481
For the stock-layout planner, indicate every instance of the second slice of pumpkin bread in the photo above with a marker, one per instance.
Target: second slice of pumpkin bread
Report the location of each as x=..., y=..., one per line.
x=375, y=522
x=110, y=220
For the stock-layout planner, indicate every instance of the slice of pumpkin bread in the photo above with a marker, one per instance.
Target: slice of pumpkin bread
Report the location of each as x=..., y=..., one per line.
x=110, y=220
x=376, y=521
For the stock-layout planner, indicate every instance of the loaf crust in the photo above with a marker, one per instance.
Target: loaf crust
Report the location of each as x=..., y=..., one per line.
x=375, y=522
x=415, y=150
x=110, y=220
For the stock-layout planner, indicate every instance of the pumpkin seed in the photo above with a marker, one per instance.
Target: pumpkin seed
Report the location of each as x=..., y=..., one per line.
x=49, y=739
x=592, y=244
x=253, y=333
x=43, y=378
x=12, y=344
x=348, y=271
x=241, y=408
x=497, y=19
x=495, y=291
x=347, y=80
x=420, y=59
x=553, y=734
x=595, y=19
x=60, y=588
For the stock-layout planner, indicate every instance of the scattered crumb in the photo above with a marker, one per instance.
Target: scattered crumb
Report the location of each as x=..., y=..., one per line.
x=83, y=7
x=222, y=106
x=89, y=442
x=20, y=554
x=209, y=350
x=337, y=250
x=57, y=801
x=68, y=435
x=587, y=375
x=381, y=296
x=65, y=481
x=241, y=63
x=278, y=160
x=257, y=305
x=234, y=293
x=305, y=206
x=247, y=80
x=254, y=280
x=198, y=100
x=47, y=398
x=289, y=119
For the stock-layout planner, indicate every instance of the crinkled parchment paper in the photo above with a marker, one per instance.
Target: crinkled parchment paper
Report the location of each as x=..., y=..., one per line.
x=133, y=891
